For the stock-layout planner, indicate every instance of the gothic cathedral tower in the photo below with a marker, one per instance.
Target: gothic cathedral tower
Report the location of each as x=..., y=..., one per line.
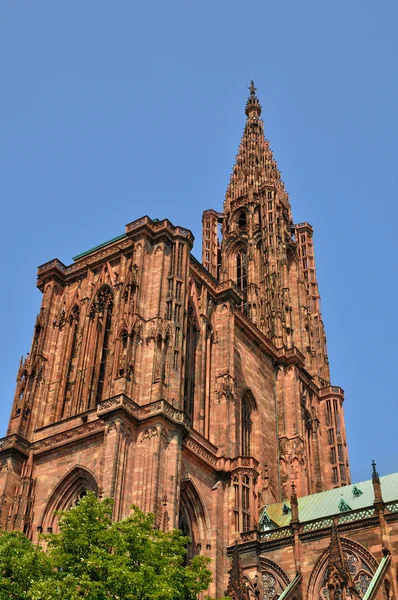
x=199, y=392
x=271, y=260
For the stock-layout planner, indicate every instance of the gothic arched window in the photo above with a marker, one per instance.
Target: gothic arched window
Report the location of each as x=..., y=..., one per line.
x=246, y=425
x=190, y=362
x=101, y=310
x=70, y=376
x=241, y=270
x=121, y=367
x=157, y=366
x=242, y=219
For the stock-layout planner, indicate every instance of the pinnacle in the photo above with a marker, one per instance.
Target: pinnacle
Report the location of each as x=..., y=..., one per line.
x=336, y=555
x=255, y=166
x=253, y=106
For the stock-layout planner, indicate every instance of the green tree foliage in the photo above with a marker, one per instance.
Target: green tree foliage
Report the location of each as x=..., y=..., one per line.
x=22, y=565
x=95, y=558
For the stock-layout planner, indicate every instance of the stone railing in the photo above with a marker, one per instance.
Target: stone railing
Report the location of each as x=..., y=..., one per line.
x=158, y=226
x=332, y=389
x=142, y=412
x=52, y=264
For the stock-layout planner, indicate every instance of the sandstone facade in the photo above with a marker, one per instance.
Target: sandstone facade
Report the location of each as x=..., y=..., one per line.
x=199, y=392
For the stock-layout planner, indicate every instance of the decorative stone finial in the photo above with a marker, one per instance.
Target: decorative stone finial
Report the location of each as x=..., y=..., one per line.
x=375, y=475
x=252, y=89
x=236, y=586
x=253, y=106
x=376, y=484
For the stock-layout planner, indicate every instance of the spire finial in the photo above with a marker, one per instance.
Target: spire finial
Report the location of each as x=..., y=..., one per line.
x=375, y=475
x=252, y=89
x=253, y=106
x=236, y=582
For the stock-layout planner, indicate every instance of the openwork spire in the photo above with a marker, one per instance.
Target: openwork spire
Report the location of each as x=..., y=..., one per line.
x=255, y=166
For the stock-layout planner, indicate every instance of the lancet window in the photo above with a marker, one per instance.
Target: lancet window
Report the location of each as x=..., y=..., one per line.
x=241, y=270
x=157, y=367
x=190, y=363
x=123, y=347
x=101, y=313
x=246, y=426
x=70, y=377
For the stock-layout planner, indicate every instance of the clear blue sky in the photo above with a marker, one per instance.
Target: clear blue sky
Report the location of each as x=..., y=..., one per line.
x=112, y=110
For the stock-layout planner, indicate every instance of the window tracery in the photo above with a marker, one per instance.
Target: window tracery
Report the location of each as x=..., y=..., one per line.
x=361, y=574
x=269, y=586
x=101, y=314
x=274, y=579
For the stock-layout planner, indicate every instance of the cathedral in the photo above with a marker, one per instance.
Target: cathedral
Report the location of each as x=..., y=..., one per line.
x=201, y=392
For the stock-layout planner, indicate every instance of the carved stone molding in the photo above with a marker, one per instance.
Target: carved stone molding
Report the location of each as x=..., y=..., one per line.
x=122, y=402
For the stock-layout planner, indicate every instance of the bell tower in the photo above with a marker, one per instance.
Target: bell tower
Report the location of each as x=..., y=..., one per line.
x=260, y=248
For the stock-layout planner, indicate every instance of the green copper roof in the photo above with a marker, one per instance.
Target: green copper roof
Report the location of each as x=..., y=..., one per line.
x=115, y=239
x=332, y=502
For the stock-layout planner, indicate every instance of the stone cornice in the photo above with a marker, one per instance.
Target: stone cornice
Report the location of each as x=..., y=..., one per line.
x=15, y=441
x=154, y=228
x=221, y=464
x=52, y=441
x=121, y=402
x=55, y=268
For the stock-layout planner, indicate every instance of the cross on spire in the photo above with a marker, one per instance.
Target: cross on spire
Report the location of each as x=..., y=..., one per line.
x=252, y=89
x=253, y=107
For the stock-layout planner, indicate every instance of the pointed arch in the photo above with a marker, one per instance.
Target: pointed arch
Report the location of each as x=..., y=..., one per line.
x=192, y=338
x=193, y=518
x=157, y=359
x=106, y=278
x=121, y=352
x=72, y=354
x=360, y=562
x=78, y=481
x=100, y=315
x=275, y=580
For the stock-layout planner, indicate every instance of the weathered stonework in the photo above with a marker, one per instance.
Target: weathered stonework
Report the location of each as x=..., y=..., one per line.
x=198, y=392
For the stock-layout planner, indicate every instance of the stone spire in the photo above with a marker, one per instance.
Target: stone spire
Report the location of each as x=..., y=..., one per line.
x=236, y=586
x=376, y=484
x=336, y=556
x=255, y=166
x=338, y=574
